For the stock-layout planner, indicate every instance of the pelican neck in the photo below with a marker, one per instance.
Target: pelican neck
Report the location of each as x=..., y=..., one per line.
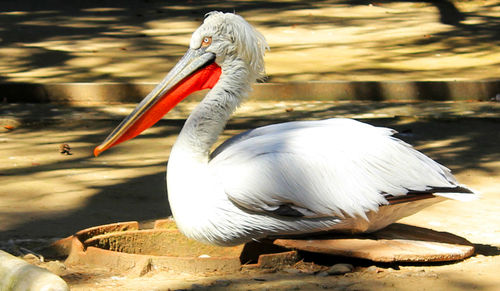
x=207, y=121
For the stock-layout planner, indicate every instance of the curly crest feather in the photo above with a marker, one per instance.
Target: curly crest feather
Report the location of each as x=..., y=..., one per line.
x=237, y=37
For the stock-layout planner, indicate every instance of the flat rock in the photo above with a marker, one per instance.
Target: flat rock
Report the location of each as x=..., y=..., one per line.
x=395, y=243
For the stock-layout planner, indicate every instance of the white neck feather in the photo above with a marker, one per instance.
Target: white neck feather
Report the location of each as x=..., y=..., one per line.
x=188, y=175
x=208, y=119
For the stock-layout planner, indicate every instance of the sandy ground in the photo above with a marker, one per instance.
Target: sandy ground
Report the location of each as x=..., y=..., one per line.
x=46, y=195
x=92, y=41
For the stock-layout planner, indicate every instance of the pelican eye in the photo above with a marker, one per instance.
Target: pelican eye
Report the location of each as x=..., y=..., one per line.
x=207, y=40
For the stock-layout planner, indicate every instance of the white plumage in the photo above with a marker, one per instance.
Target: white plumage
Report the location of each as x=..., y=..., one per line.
x=290, y=178
x=343, y=166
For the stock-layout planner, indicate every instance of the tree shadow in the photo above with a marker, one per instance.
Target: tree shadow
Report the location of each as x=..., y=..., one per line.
x=140, y=198
x=40, y=37
x=473, y=142
x=469, y=144
x=448, y=12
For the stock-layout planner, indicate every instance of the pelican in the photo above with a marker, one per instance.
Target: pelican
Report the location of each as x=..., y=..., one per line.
x=295, y=178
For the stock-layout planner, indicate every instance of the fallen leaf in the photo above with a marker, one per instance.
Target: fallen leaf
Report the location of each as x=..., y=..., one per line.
x=64, y=148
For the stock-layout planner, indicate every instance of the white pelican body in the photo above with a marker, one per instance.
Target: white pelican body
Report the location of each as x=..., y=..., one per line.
x=290, y=178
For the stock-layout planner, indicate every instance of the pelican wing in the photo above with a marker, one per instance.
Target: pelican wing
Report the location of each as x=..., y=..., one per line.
x=333, y=167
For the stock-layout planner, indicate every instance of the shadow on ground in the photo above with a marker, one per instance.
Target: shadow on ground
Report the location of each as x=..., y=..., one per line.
x=85, y=41
x=460, y=144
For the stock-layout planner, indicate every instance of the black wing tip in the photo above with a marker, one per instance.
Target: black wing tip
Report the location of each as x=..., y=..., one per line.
x=432, y=190
x=414, y=195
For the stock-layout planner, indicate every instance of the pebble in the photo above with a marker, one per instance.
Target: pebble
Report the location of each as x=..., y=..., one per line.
x=373, y=270
x=31, y=258
x=55, y=267
x=340, y=269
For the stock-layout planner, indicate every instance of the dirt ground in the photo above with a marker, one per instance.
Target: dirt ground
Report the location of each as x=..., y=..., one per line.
x=135, y=41
x=46, y=195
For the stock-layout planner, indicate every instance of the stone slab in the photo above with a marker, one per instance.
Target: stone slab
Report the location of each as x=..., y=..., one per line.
x=396, y=243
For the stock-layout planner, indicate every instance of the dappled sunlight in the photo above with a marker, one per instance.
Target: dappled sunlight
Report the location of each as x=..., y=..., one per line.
x=131, y=176
x=35, y=175
x=46, y=193
x=401, y=43
x=441, y=144
x=334, y=40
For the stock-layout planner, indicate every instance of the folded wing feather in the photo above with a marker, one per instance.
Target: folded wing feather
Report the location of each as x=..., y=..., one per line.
x=334, y=167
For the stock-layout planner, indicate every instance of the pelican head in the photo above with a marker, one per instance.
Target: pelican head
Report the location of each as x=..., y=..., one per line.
x=228, y=36
x=223, y=41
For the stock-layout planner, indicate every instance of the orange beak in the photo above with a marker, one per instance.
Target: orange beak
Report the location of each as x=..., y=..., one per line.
x=195, y=71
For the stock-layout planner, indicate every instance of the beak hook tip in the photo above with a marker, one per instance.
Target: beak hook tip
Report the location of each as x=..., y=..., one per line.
x=97, y=151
